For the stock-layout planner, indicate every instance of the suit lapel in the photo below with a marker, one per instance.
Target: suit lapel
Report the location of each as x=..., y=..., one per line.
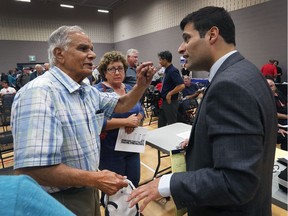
x=190, y=145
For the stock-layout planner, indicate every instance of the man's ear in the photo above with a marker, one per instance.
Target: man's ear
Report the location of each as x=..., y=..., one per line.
x=58, y=53
x=213, y=34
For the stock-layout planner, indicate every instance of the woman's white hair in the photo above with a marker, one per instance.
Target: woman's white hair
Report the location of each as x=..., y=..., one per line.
x=60, y=39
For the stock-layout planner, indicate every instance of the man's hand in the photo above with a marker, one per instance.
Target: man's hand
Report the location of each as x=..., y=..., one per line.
x=147, y=193
x=168, y=98
x=132, y=121
x=145, y=73
x=110, y=182
x=183, y=144
x=282, y=132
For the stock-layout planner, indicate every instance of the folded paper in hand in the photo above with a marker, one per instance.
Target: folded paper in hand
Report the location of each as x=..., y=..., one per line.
x=134, y=142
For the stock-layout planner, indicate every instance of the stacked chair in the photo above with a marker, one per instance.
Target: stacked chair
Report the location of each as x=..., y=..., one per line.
x=6, y=138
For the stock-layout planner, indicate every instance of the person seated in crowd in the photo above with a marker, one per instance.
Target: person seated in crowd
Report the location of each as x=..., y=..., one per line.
x=279, y=71
x=4, y=77
x=12, y=78
x=38, y=72
x=269, y=69
x=282, y=137
x=188, y=100
x=281, y=106
x=185, y=71
x=23, y=78
x=280, y=100
x=112, y=68
x=6, y=89
x=191, y=89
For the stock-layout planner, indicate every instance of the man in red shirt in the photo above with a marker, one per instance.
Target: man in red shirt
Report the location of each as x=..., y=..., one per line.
x=269, y=69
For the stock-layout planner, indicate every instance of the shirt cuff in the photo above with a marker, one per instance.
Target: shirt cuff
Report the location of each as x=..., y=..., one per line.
x=164, y=185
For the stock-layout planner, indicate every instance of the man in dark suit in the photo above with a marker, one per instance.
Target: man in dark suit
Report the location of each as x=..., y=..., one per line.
x=38, y=72
x=230, y=155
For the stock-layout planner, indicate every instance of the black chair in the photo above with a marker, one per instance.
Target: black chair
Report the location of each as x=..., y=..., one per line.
x=187, y=111
x=7, y=100
x=146, y=103
x=154, y=107
x=5, y=117
x=6, y=146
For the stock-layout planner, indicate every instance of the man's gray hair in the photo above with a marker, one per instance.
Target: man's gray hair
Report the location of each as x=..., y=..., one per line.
x=38, y=65
x=60, y=39
x=131, y=51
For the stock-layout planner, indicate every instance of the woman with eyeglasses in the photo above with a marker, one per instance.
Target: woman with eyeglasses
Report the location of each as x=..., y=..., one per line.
x=112, y=68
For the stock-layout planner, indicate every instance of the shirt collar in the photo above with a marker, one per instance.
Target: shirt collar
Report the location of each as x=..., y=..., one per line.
x=67, y=81
x=132, y=67
x=217, y=65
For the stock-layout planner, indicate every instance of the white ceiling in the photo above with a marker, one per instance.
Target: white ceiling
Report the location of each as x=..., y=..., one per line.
x=100, y=4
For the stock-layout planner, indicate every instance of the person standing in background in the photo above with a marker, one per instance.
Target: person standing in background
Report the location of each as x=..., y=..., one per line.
x=172, y=84
x=279, y=71
x=38, y=72
x=230, y=153
x=12, y=78
x=269, y=69
x=46, y=67
x=23, y=78
x=132, y=60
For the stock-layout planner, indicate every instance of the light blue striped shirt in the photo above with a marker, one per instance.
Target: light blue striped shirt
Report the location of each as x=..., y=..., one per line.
x=55, y=120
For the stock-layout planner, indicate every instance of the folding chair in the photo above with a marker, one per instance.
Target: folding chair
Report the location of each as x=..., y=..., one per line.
x=6, y=146
x=154, y=105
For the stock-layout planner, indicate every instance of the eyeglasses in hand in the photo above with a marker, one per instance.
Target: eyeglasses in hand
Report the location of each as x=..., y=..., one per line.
x=113, y=69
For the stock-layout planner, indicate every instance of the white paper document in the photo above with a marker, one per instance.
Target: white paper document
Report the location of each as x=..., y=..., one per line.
x=184, y=135
x=134, y=142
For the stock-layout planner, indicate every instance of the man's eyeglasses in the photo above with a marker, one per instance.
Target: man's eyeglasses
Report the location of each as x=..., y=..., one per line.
x=113, y=69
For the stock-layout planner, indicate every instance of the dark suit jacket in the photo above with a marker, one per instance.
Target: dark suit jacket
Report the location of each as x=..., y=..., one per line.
x=230, y=155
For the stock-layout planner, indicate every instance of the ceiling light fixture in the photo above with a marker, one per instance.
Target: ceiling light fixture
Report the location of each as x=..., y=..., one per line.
x=67, y=6
x=24, y=0
x=102, y=11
